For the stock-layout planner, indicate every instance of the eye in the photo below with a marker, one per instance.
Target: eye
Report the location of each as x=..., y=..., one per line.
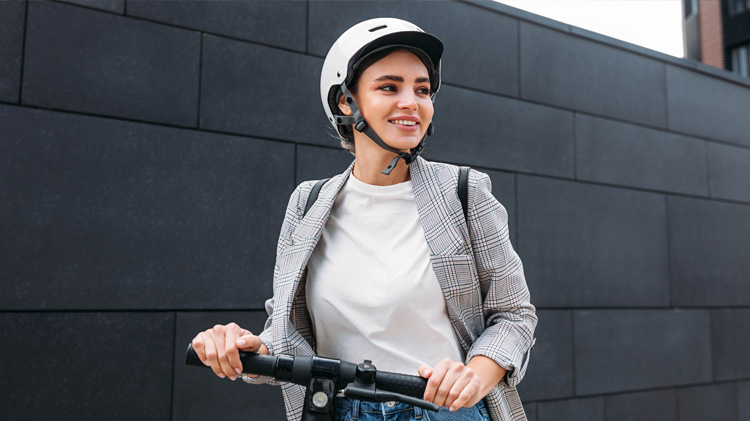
x=423, y=91
x=389, y=88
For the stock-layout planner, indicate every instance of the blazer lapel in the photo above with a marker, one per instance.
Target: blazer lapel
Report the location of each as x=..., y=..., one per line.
x=438, y=219
x=451, y=254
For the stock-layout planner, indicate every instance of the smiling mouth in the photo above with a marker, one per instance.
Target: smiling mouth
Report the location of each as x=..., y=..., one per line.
x=404, y=122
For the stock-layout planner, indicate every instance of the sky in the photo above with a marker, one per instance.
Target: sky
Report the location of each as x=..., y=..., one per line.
x=654, y=24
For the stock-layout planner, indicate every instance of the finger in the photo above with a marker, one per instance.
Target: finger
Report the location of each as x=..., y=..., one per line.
x=425, y=371
x=468, y=395
x=211, y=355
x=434, y=381
x=200, y=348
x=217, y=333
x=249, y=343
x=232, y=332
x=458, y=387
x=453, y=373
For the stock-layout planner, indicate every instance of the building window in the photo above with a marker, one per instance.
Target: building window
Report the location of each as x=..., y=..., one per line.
x=691, y=7
x=741, y=60
x=738, y=6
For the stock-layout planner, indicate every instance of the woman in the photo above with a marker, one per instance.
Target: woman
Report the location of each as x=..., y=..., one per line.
x=384, y=266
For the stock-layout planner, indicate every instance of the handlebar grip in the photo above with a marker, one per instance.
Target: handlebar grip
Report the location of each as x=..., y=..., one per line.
x=401, y=383
x=252, y=363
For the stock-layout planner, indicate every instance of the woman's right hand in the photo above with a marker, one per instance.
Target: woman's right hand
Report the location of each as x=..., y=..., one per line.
x=219, y=348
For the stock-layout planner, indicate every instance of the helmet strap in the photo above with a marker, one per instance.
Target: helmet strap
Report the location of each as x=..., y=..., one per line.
x=361, y=126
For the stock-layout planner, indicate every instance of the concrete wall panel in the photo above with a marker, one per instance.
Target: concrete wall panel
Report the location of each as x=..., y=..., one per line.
x=531, y=410
x=708, y=252
x=657, y=405
x=95, y=366
x=103, y=214
x=621, y=350
x=729, y=329
x=714, y=402
x=550, y=372
x=729, y=172
x=586, y=409
x=743, y=399
x=586, y=245
x=314, y=163
x=83, y=60
x=707, y=106
x=618, y=153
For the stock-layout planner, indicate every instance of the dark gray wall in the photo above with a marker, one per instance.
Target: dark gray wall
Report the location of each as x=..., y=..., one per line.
x=147, y=151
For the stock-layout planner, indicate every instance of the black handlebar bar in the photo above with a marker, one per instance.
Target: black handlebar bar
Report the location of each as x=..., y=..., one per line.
x=299, y=370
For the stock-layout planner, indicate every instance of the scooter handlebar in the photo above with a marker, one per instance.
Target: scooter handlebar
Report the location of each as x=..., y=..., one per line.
x=266, y=365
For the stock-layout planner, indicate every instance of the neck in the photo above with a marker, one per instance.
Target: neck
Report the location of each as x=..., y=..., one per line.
x=372, y=160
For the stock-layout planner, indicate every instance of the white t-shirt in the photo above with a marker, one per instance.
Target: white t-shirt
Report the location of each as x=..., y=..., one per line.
x=371, y=290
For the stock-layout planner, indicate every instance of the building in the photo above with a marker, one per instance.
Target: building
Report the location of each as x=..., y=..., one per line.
x=717, y=32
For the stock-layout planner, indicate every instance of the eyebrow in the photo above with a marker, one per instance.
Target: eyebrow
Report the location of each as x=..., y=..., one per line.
x=400, y=79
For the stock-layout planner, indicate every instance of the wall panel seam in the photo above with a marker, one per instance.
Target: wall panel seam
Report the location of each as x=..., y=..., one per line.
x=666, y=97
x=573, y=350
x=708, y=170
x=23, y=51
x=575, y=145
x=307, y=27
x=518, y=58
x=174, y=358
x=200, y=80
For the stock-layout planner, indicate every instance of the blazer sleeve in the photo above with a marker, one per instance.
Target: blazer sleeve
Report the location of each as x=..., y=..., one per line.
x=510, y=318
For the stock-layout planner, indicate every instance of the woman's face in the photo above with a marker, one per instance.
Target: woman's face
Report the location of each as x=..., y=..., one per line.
x=393, y=96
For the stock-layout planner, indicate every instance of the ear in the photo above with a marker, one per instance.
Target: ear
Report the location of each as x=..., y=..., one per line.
x=344, y=106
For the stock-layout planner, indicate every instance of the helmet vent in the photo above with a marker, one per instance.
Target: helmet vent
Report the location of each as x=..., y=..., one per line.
x=378, y=28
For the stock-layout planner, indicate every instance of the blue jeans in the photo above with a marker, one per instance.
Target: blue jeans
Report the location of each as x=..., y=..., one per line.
x=347, y=409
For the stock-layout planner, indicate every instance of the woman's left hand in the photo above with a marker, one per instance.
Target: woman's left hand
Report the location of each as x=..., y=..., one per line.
x=451, y=384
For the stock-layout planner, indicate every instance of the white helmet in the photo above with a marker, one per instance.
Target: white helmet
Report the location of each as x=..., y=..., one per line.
x=353, y=46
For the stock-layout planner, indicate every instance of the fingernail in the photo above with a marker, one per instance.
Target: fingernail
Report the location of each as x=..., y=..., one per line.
x=237, y=370
x=451, y=409
x=241, y=342
x=233, y=378
x=427, y=372
x=222, y=375
x=206, y=362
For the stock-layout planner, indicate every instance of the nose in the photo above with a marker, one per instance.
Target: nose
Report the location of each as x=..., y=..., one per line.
x=407, y=100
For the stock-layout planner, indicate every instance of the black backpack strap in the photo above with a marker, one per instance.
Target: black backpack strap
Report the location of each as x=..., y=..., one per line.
x=463, y=189
x=314, y=195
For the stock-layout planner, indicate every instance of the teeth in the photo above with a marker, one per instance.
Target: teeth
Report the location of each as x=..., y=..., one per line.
x=404, y=122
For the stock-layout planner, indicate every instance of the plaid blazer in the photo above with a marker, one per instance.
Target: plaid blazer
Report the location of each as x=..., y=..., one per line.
x=479, y=272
